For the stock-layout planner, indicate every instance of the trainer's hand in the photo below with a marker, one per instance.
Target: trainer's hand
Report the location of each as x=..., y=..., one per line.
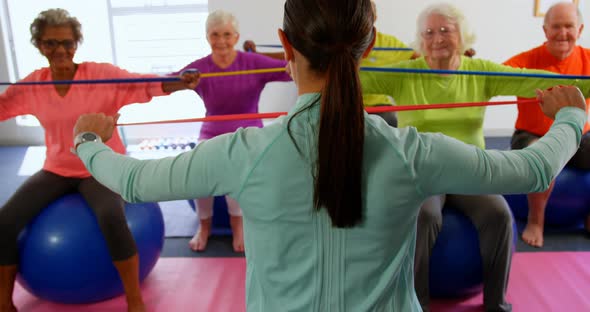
x=100, y=124
x=554, y=99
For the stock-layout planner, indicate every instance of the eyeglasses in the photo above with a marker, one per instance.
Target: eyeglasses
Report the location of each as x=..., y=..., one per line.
x=225, y=35
x=446, y=32
x=52, y=44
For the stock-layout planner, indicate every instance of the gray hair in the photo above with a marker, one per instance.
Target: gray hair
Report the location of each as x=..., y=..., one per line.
x=54, y=18
x=549, y=11
x=452, y=14
x=220, y=17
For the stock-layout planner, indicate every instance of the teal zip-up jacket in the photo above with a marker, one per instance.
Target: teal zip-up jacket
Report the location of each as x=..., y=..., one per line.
x=296, y=259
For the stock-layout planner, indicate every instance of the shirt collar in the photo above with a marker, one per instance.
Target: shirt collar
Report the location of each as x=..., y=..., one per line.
x=304, y=101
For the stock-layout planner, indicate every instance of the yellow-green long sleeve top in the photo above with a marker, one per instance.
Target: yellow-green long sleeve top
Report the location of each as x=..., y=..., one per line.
x=465, y=124
x=296, y=259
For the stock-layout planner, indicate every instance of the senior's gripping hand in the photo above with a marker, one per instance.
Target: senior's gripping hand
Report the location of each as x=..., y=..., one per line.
x=190, y=78
x=554, y=99
x=249, y=46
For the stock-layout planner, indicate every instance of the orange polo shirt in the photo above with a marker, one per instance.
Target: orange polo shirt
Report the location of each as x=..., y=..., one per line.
x=530, y=117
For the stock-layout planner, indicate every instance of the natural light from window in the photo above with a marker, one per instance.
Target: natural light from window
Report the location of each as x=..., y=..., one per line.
x=147, y=36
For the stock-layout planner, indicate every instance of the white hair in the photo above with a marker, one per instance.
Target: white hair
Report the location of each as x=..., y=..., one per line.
x=550, y=10
x=220, y=17
x=453, y=15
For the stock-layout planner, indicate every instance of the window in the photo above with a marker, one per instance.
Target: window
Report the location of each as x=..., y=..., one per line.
x=96, y=47
x=150, y=36
x=160, y=37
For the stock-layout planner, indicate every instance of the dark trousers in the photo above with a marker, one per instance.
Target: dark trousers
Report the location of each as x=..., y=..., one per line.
x=581, y=159
x=43, y=188
x=389, y=117
x=493, y=220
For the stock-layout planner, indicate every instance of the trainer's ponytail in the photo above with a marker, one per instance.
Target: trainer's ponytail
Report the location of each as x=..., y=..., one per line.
x=333, y=35
x=340, y=143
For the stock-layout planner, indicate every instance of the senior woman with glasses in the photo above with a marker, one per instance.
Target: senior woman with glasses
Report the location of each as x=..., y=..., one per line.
x=57, y=34
x=235, y=94
x=442, y=35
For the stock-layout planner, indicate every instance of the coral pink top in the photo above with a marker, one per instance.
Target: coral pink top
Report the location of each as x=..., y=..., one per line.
x=58, y=114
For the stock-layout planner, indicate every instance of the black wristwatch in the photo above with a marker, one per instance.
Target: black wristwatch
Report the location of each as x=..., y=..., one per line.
x=84, y=137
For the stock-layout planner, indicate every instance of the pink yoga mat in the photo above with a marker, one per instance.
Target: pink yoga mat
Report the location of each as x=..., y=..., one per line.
x=539, y=281
x=176, y=284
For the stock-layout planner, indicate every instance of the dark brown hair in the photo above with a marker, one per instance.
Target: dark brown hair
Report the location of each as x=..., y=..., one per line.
x=333, y=35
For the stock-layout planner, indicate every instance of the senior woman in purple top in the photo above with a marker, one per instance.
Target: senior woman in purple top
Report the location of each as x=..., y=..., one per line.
x=236, y=94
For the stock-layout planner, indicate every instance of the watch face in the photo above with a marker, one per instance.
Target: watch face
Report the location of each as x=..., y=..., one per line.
x=89, y=136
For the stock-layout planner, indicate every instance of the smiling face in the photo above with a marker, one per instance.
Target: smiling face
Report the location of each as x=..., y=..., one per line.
x=562, y=30
x=222, y=38
x=58, y=45
x=441, y=38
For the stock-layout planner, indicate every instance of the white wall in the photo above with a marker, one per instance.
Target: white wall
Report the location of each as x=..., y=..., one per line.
x=503, y=27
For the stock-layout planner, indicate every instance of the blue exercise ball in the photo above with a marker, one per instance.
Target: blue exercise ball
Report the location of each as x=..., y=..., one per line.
x=568, y=204
x=455, y=263
x=64, y=257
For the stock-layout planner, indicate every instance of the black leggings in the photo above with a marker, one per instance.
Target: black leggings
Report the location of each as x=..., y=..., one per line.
x=43, y=188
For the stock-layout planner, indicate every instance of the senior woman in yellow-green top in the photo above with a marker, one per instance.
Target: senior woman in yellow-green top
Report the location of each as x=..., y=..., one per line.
x=442, y=35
